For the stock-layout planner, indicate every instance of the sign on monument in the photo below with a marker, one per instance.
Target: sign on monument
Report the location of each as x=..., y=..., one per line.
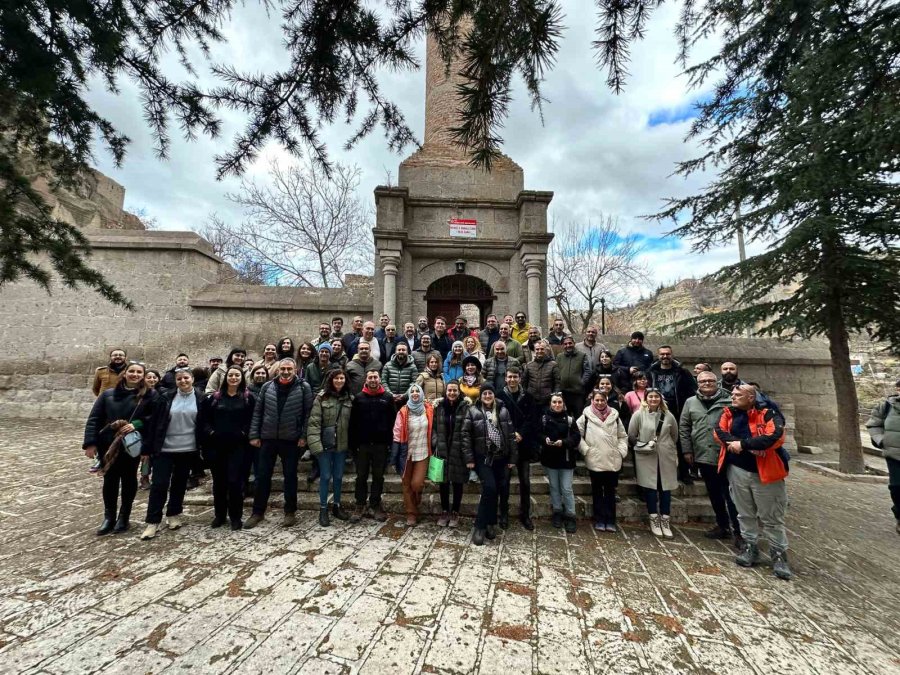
x=463, y=228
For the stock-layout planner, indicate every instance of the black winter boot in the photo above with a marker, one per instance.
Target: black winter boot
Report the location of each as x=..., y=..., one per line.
x=478, y=537
x=571, y=525
x=324, y=520
x=339, y=513
x=108, y=524
x=557, y=520
x=122, y=521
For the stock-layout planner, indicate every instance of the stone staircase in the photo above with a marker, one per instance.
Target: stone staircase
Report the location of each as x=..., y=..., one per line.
x=689, y=502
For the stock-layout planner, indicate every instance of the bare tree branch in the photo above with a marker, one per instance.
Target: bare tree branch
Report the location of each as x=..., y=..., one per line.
x=302, y=228
x=587, y=262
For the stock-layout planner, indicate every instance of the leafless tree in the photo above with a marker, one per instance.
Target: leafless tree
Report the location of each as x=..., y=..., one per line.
x=587, y=262
x=243, y=267
x=302, y=228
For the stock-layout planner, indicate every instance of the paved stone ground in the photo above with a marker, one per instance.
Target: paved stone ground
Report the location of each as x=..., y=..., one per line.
x=370, y=598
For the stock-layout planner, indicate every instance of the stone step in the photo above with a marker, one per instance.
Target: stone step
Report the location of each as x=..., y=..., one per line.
x=539, y=485
x=629, y=509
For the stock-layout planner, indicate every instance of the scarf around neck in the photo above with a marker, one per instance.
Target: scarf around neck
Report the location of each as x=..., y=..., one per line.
x=602, y=414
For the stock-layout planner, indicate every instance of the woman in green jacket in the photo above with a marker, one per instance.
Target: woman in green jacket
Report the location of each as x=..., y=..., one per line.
x=328, y=439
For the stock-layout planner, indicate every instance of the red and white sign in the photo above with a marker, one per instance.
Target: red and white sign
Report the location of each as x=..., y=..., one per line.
x=463, y=227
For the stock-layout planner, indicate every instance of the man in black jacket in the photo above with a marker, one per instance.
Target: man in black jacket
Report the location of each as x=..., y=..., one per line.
x=371, y=434
x=524, y=414
x=278, y=429
x=631, y=359
x=677, y=385
x=168, y=378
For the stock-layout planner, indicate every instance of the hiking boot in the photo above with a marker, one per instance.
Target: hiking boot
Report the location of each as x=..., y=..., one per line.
x=666, y=527
x=339, y=513
x=324, y=521
x=527, y=523
x=444, y=520
x=478, y=537
x=149, y=531
x=655, y=526
x=378, y=513
x=289, y=520
x=571, y=524
x=748, y=556
x=718, y=533
x=358, y=513
x=175, y=522
x=557, y=520
x=454, y=520
x=253, y=521
x=109, y=522
x=218, y=521
x=780, y=565
x=490, y=532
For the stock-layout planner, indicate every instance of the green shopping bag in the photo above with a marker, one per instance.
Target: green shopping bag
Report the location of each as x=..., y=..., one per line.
x=435, y=469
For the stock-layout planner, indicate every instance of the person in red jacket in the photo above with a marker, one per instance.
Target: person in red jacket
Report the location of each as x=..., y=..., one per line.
x=750, y=436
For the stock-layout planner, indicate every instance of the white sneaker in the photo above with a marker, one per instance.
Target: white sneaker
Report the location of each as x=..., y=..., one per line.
x=654, y=525
x=666, y=529
x=149, y=532
x=175, y=522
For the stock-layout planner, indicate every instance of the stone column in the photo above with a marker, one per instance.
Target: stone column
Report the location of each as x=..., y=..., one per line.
x=390, y=266
x=533, y=267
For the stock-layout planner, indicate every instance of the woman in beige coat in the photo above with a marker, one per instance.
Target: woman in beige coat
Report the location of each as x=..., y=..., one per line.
x=604, y=444
x=653, y=432
x=432, y=379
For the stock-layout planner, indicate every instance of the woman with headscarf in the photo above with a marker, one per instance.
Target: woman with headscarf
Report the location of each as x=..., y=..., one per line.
x=453, y=369
x=449, y=414
x=432, y=379
x=471, y=380
x=412, y=440
x=653, y=432
x=127, y=407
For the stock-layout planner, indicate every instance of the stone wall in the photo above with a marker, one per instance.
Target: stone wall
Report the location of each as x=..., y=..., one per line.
x=54, y=342
x=797, y=374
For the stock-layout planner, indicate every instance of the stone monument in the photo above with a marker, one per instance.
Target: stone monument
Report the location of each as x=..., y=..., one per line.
x=450, y=236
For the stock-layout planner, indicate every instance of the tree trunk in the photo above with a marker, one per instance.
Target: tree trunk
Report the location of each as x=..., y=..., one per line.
x=851, y=457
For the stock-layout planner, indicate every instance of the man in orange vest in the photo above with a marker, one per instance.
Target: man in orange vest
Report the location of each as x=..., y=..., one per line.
x=750, y=436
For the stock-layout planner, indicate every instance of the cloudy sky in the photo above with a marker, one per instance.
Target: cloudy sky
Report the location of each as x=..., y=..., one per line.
x=601, y=154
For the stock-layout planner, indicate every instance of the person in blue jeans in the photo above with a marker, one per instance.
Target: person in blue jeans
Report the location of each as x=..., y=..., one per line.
x=328, y=435
x=490, y=448
x=559, y=437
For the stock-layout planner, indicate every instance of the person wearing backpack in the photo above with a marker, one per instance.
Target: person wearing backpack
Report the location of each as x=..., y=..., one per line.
x=225, y=426
x=884, y=430
x=604, y=444
x=559, y=439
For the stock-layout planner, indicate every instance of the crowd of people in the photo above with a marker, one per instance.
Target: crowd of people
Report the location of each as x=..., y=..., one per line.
x=446, y=404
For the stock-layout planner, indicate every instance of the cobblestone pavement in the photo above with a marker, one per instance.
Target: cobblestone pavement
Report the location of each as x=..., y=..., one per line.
x=370, y=598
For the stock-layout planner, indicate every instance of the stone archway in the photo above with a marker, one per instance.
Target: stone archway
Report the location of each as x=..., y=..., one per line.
x=446, y=295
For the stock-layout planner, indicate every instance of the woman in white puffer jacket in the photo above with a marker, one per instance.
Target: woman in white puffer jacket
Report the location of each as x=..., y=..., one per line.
x=604, y=444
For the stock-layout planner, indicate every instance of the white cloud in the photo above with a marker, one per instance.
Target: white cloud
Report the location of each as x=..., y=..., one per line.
x=595, y=149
